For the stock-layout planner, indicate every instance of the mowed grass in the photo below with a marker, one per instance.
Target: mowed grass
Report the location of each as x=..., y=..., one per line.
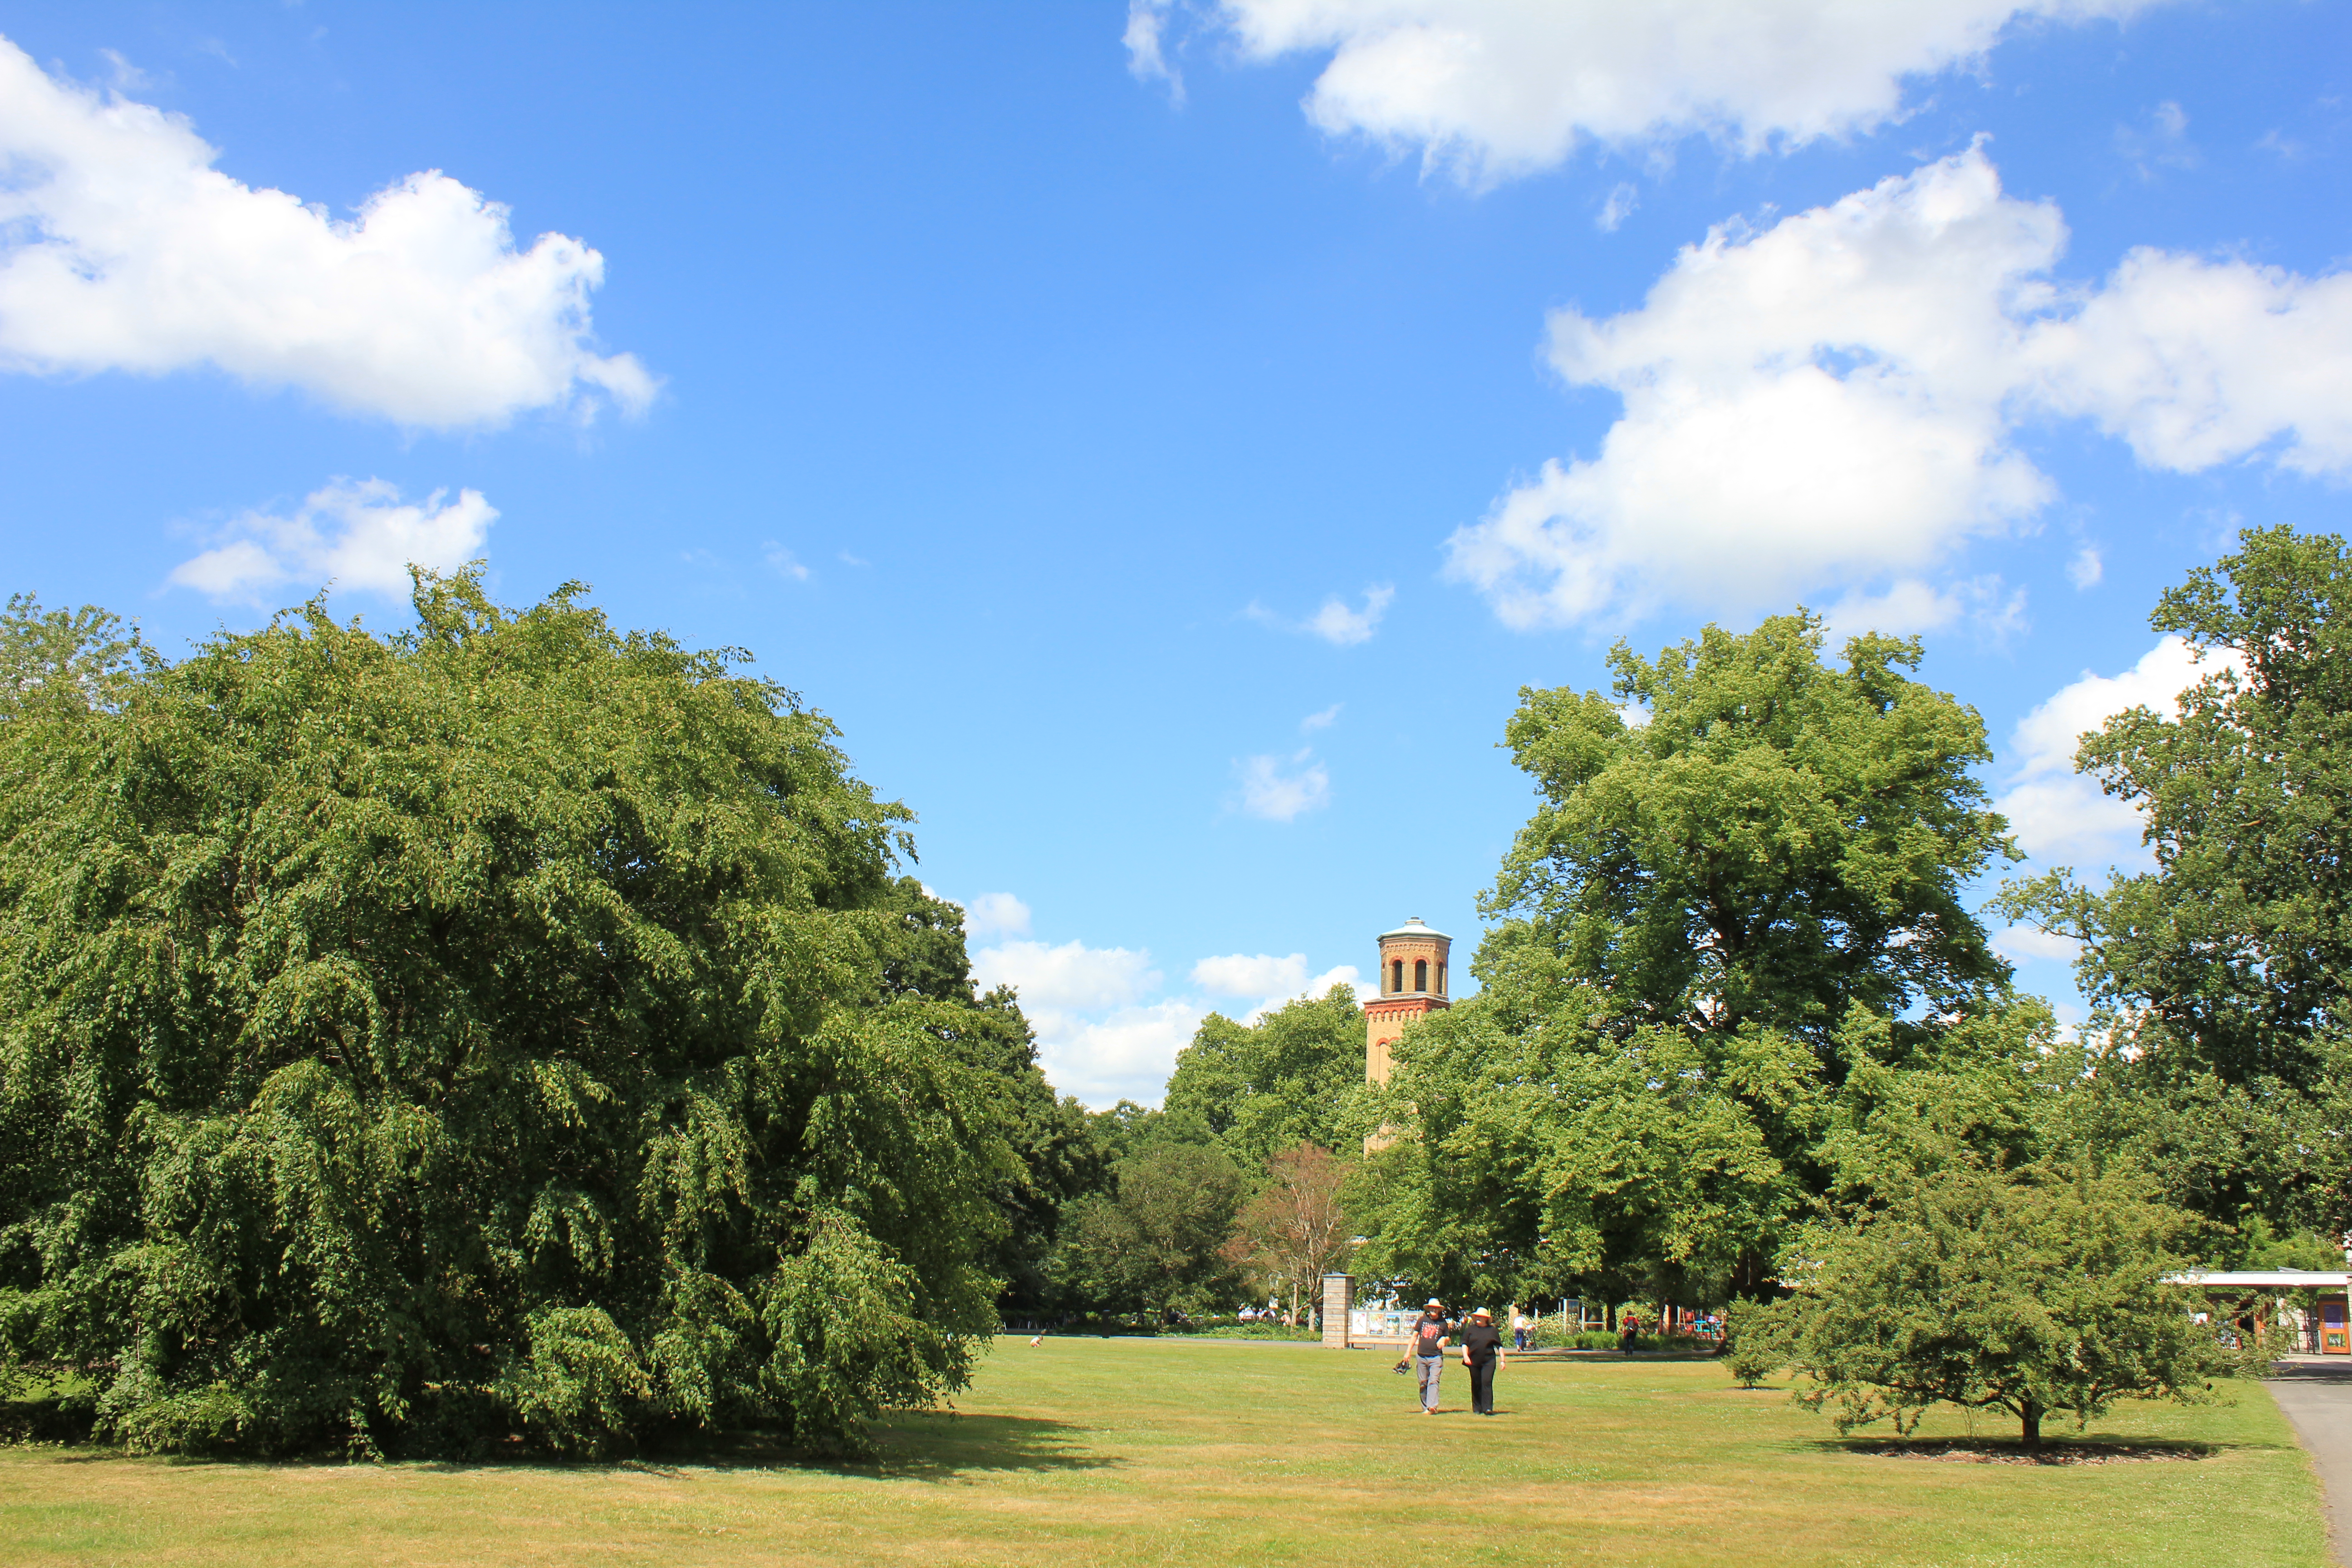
x=1087, y=1451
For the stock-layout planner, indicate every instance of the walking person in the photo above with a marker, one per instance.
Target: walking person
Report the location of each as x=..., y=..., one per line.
x=1482, y=1351
x=1431, y=1335
x=1521, y=1326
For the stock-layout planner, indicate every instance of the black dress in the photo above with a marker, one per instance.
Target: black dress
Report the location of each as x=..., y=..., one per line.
x=1482, y=1343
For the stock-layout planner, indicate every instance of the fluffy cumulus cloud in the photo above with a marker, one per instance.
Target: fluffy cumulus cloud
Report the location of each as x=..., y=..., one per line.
x=1283, y=789
x=1493, y=88
x=1105, y=1030
x=996, y=914
x=121, y=248
x=1831, y=402
x=1270, y=980
x=357, y=535
x=2059, y=815
x=1100, y=1034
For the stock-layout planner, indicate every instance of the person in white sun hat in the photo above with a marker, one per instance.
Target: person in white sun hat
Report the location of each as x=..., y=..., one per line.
x=1482, y=1351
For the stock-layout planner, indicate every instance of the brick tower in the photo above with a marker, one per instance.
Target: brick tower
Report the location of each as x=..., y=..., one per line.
x=1411, y=984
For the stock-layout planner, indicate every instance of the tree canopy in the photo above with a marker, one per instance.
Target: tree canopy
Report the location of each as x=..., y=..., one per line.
x=2033, y=1291
x=1736, y=919
x=2219, y=977
x=1739, y=833
x=1290, y=1077
x=509, y=1026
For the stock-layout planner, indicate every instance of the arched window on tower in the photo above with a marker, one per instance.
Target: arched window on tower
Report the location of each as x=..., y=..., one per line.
x=1396, y=973
x=1441, y=977
x=1420, y=975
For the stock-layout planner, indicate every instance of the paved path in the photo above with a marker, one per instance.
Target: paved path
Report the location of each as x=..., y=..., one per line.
x=2318, y=1398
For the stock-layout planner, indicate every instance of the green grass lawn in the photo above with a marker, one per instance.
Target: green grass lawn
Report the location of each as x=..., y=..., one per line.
x=1130, y=1451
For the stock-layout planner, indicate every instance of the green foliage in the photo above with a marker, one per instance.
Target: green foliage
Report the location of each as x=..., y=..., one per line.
x=1289, y=1078
x=1153, y=1244
x=1062, y=1148
x=2032, y=1291
x=1776, y=842
x=1564, y=1160
x=1756, y=1342
x=512, y=1025
x=58, y=663
x=1734, y=975
x=2219, y=977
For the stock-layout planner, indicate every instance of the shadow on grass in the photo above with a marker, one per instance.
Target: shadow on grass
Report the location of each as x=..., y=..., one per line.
x=2082, y=1450
x=910, y=1445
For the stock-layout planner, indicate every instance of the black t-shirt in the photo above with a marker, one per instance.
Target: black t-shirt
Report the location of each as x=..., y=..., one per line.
x=1482, y=1342
x=1425, y=1336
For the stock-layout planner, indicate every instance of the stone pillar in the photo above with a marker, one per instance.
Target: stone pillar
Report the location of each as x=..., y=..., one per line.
x=1338, y=1295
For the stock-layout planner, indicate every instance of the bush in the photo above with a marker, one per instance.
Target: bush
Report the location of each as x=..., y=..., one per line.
x=1756, y=1342
x=2032, y=1291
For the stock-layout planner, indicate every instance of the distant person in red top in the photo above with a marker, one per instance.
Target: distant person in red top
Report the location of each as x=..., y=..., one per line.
x=1431, y=1335
x=1628, y=1326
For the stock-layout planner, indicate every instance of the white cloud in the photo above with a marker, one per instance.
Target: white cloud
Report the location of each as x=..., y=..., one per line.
x=996, y=914
x=121, y=248
x=1280, y=790
x=1072, y=976
x=2057, y=814
x=1832, y=400
x=2163, y=144
x=1493, y=88
x=2197, y=363
x=1903, y=609
x=1147, y=25
x=1620, y=206
x=1322, y=720
x=2031, y=942
x=1251, y=974
x=1337, y=624
x=783, y=562
x=358, y=535
x=1124, y=1054
x=2086, y=570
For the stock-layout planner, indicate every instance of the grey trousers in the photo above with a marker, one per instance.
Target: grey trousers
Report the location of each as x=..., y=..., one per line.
x=1429, y=1366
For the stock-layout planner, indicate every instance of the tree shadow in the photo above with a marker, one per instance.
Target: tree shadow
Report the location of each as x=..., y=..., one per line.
x=2081, y=1449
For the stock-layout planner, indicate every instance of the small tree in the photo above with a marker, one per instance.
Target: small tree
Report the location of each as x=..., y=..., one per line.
x=2032, y=1291
x=1293, y=1229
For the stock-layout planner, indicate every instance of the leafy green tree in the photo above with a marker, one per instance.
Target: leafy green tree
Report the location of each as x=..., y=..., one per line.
x=2036, y=1291
x=1154, y=1244
x=2220, y=976
x=1770, y=841
x=1062, y=1152
x=56, y=662
x=1286, y=1078
x=405, y=1041
x=1735, y=921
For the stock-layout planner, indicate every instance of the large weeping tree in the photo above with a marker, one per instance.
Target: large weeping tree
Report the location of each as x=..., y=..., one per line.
x=412, y=1043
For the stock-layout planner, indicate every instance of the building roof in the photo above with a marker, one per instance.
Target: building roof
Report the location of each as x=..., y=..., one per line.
x=2266, y=1279
x=1415, y=928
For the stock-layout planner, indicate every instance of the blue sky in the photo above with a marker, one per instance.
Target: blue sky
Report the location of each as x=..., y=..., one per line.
x=1166, y=437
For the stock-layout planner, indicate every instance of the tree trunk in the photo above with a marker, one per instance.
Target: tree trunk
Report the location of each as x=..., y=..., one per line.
x=2031, y=1418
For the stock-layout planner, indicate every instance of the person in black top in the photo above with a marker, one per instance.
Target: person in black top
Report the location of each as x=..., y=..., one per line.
x=1482, y=1351
x=1431, y=1335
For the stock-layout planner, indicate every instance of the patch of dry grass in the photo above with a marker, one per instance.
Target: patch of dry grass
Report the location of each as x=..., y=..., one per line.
x=1086, y=1451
